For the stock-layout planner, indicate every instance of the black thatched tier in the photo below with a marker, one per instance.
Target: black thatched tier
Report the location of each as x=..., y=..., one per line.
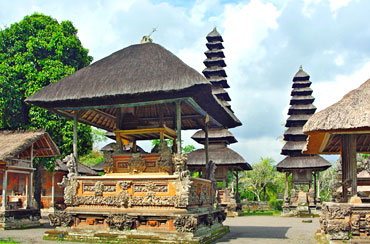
x=297, y=120
x=219, y=81
x=304, y=162
x=221, y=93
x=214, y=45
x=214, y=53
x=214, y=71
x=214, y=135
x=215, y=61
x=301, y=91
x=302, y=100
x=302, y=109
x=214, y=36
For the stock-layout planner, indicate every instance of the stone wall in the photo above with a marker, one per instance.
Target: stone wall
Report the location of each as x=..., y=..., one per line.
x=255, y=205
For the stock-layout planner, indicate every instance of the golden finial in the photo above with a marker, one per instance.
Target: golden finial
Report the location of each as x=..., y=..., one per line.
x=147, y=38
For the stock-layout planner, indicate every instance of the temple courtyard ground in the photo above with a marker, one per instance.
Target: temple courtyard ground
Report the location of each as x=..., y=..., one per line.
x=246, y=229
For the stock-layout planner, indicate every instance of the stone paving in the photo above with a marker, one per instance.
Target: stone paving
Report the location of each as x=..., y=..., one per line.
x=246, y=229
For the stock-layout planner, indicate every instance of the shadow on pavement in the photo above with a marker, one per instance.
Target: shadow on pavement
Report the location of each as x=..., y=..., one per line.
x=255, y=232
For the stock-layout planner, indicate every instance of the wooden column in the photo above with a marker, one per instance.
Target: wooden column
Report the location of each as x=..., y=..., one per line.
x=237, y=185
x=286, y=193
x=315, y=185
x=31, y=190
x=318, y=188
x=5, y=184
x=52, y=190
x=178, y=126
x=75, y=153
x=349, y=167
x=206, y=142
x=118, y=127
x=232, y=181
x=30, y=183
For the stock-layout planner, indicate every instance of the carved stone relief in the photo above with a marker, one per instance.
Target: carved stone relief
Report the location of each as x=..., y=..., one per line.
x=136, y=164
x=120, y=221
x=70, y=190
x=124, y=184
x=60, y=218
x=150, y=187
x=164, y=161
x=186, y=223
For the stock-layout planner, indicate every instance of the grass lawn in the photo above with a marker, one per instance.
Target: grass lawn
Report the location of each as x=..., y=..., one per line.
x=261, y=212
x=10, y=240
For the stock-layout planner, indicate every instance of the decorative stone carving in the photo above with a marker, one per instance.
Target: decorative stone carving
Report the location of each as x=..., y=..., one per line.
x=70, y=161
x=120, y=221
x=186, y=223
x=164, y=162
x=92, y=188
x=98, y=189
x=108, y=163
x=70, y=190
x=124, y=184
x=150, y=187
x=124, y=198
x=180, y=162
x=136, y=164
x=339, y=212
x=60, y=218
x=355, y=224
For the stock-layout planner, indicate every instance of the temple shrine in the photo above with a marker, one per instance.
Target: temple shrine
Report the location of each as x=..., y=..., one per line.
x=17, y=152
x=141, y=92
x=344, y=128
x=304, y=169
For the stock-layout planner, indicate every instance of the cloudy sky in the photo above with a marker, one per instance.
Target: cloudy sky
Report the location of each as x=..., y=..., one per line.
x=265, y=42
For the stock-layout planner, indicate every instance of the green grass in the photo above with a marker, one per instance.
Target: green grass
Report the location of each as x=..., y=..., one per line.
x=10, y=240
x=91, y=159
x=261, y=213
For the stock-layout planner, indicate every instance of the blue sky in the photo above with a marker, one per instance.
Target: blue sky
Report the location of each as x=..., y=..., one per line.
x=265, y=42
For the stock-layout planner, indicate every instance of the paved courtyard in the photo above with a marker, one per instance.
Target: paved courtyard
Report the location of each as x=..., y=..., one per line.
x=247, y=229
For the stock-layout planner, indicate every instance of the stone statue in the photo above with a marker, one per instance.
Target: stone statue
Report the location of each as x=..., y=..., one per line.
x=70, y=161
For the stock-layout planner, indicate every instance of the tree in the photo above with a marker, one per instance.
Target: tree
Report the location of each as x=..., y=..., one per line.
x=262, y=177
x=35, y=52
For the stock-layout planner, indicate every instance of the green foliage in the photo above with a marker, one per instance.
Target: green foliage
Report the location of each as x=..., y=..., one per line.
x=261, y=213
x=276, y=204
x=35, y=52
x=91, y=159
x=10, y=240
x=263, y=182
x=185, y=149
x=98, y=135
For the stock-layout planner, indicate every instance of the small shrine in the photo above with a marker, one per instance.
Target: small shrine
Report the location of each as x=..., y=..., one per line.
x=52, y=195
x=344, y=128
x=304, y=169
x=142, y=92
x=17, y=151
x=226, y=161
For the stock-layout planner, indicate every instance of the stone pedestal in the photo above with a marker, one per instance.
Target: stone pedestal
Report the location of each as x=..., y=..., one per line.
x=19, y=219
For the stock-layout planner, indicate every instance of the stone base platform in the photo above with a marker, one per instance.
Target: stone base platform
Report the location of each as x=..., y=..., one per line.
x=19, y=219
x=203, y=235
x=300, y=211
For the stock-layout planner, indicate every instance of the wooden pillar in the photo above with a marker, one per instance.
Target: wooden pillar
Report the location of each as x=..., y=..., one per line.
x=52, y=190
x=349, y=166
x=286, y=193
x=31, y=190
x=318, y=188
x=232, y=181
x=75, y=153
x=118, y=127
x=315, y=185
x=178, y=126
x=5, y=184
x=237, y=185
x=206, y=142
x=30, y=183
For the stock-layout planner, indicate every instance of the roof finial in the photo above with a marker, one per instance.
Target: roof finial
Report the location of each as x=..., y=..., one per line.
x=147, y=38
x=300, y=68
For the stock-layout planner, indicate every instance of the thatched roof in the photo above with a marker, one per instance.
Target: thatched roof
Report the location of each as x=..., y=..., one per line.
x=14, y=144
x=221, y=156
x=303, y=162
x=350, y=115
x=82, y=169
x=142, y=73
x=214, y=36
x=214, y=135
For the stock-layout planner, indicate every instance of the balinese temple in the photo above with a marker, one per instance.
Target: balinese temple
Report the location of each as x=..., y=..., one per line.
x=17, y=151
x=142, y=92
x=226, y=161
x=214, y=71
x=344, y=128
x=52, y=195
x=304, y=168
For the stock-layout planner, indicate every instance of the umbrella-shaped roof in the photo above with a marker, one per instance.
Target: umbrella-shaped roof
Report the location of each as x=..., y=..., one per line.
x=145, y=76
x=351, y=115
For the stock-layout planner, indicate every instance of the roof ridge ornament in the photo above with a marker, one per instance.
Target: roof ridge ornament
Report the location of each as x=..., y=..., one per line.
x=300, y=68
x=147, y=39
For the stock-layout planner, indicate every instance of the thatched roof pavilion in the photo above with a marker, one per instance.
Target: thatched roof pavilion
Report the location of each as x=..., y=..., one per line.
x=146, y=78
x=17, y=144
x=344, y=128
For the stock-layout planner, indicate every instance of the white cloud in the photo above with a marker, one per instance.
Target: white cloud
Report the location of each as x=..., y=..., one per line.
x=339, y=60
x=337, y=4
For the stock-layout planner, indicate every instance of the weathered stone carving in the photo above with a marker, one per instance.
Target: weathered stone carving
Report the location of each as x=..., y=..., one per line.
x=70, y=161
x=164, y=162
x=124, y=184
x=98, y=189
x=108, y=163
x=136, y=164
x=355, y=224
x=338, y=212
x=70, y=190
x=180, y=162
x=60, y=218
x=151, y=200
x=124, y=198
x=150, y=187
x=186, y=223
x=92, y=188
x=120, y=221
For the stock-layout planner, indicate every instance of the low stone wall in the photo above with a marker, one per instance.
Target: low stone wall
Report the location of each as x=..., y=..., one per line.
x=341, y=221
x=255, y=205
x=19, y=219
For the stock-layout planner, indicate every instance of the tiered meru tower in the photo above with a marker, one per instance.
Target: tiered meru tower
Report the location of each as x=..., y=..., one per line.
x=303, y=167
x=215, y=64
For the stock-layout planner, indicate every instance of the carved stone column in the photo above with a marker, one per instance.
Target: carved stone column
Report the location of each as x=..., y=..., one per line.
x=286, y=193
x=5, y=184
